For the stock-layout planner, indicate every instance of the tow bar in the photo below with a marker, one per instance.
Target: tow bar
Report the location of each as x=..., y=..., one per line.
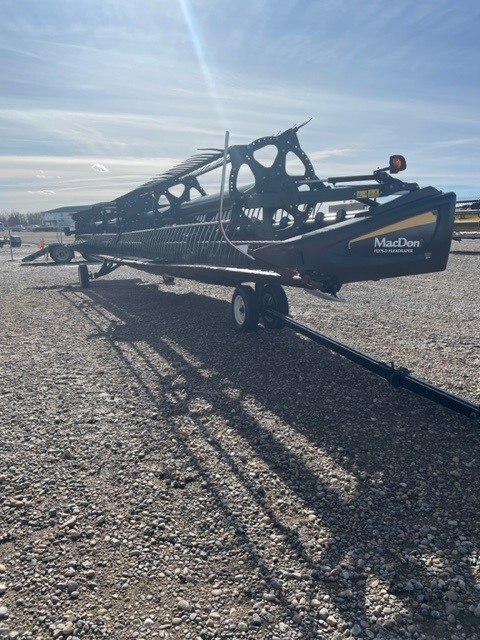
x=397, y=376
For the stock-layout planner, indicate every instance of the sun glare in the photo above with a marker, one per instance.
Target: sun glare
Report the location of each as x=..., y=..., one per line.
x=199, y=47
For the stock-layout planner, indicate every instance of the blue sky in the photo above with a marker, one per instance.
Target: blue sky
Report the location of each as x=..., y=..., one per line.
x=99, y=96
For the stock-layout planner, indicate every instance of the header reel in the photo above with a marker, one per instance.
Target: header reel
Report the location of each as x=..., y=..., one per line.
x=281, y=174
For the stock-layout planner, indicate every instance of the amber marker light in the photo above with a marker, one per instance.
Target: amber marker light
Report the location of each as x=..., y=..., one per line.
x=397, y=163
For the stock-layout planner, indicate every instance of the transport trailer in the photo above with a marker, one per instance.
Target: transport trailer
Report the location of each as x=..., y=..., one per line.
x=59, y=252
x=467, y=220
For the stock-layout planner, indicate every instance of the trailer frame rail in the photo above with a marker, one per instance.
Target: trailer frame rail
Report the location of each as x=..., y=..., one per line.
x=397, y=376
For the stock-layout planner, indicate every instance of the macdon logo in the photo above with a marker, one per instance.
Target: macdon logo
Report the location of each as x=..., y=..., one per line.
x=399, y=243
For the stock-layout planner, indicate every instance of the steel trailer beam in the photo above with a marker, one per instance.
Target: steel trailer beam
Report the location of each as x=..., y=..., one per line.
x=397, y=376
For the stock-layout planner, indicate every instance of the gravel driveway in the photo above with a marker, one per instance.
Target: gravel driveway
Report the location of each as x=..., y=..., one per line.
x=164, y=477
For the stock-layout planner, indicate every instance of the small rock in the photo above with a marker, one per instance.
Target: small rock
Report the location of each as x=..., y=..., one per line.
x=72, y=585
x=256, y=620
x=184, y=605
x=67, y=630
x=70, y=522
x=269, y=597
x=3, y=613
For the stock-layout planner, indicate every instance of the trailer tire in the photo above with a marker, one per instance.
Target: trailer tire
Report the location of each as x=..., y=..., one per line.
x=245, y=309
x=61, y=253
x=274, y=298
x=83, y=276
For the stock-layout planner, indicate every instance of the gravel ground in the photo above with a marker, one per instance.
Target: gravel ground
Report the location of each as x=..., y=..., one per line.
x=164, y=477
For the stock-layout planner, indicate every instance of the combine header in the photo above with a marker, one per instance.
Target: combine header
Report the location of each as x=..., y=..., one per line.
x=271, y=232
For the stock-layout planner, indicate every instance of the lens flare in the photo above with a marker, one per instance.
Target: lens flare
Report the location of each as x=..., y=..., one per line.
x=199, y=47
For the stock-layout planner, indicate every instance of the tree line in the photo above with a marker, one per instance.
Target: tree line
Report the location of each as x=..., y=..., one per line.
x=15, y=219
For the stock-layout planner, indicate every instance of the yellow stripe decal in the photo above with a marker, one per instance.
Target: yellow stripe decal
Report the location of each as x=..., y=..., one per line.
x=416, y=221
x=461, y=215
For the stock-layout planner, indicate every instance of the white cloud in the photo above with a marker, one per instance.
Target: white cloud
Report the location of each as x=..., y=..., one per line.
x=44, y=176
x=101, y=168
x=79, y=184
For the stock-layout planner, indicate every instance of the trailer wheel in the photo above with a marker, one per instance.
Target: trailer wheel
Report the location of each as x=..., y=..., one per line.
x=83, y=276
x=273, y=298
x=61, y=253
x=245, y=308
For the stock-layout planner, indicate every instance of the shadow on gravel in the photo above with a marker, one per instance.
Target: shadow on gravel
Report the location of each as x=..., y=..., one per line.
x=410, y=528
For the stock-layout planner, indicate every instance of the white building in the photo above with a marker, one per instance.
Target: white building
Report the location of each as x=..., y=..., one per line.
x=61, y=217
